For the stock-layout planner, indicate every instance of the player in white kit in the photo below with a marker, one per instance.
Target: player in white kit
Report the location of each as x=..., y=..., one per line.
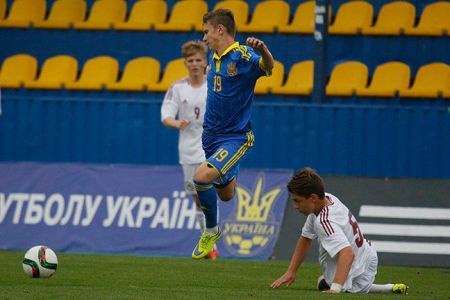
x=186, y=98
x=348, y=260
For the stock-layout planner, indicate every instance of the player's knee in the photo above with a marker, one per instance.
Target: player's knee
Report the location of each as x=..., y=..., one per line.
x=227, y=190
x=205, y=174
x=226, y=198
x=201, y=177
x=225, y=194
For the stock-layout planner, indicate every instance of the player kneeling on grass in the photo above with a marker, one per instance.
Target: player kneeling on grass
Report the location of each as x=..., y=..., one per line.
x=348, y=261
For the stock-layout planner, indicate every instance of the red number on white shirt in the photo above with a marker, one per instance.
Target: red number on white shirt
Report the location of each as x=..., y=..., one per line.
x=356, y=231
x=197, y=112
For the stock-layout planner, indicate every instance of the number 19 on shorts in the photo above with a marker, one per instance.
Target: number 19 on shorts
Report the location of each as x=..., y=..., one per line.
x=220, y=155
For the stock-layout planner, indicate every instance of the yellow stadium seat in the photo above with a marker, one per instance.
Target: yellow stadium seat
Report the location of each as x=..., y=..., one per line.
x=268, y=16
x=16, y=70
x=2, y=9
x=97, y=73
x=346, y=78
x=25, y=12
x=138, y=74
x=55, y=73
x=265, y=84
x=393, y=19
x=303, y=20
x=387, y=80
x=64, y=14
x=352, y=17
x=175, y=70
x=144, y=15
x=104, y=14
x=238, y=7
x=186, y=15
x=299, y=81
x=434, y=21
x=432, y=80
x=447, y=93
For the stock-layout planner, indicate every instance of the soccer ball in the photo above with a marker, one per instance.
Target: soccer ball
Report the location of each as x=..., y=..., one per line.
x=40, y=262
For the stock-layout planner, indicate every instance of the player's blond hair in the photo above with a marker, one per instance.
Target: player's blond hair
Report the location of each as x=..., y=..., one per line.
x=193, y=47
x=307, y=182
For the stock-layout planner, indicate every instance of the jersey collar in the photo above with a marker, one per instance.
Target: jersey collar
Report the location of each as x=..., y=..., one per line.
x=233, y=46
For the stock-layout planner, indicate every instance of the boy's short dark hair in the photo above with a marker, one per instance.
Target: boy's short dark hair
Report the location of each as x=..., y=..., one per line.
x=306, y=182
x=221, y=16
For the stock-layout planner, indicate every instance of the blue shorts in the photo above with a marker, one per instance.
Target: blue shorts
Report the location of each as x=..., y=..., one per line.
x=225, y=152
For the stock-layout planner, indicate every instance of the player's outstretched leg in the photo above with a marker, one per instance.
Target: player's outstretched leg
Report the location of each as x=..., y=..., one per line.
x=400, y=288
x=208, y=200
x=396, y=288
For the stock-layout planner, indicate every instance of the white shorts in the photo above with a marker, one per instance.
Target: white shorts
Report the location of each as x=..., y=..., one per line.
x=362, y=283
x=189, y=171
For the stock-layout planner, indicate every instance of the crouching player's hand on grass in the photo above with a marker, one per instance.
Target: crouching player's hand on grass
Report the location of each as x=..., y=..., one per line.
x=287, y=278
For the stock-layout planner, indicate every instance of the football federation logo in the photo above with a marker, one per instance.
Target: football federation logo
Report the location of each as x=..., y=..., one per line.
x=231, y=69
x=252, y=226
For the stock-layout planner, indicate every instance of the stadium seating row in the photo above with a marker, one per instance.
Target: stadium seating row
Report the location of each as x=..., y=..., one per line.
x=391, y=79
x=394, y=18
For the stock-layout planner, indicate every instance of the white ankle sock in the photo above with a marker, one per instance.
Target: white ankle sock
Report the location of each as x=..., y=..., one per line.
x=200, y=216
x=381, y=288
x=213, y=230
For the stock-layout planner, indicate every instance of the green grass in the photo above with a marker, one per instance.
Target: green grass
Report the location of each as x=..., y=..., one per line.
x=133, y=277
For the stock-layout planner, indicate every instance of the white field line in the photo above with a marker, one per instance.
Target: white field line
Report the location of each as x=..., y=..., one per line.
x=405, y=212
x=412, y=248
x=405, y=230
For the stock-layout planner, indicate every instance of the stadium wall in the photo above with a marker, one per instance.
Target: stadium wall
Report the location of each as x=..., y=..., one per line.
x=408, y=220
x=336, y=139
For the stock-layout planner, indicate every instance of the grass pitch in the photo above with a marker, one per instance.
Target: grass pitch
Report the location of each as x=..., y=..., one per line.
x=137, y=277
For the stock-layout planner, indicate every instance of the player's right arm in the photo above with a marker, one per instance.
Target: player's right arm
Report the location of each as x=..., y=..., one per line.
x=345, y=260
x=170, y=122
x=170, y=109
x=300, y=252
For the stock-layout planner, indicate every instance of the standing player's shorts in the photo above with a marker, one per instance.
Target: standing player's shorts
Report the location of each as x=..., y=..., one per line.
x=225, y=152
x=188, y=172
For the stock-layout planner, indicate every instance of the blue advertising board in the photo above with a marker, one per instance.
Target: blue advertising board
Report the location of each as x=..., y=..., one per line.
x=132, y=209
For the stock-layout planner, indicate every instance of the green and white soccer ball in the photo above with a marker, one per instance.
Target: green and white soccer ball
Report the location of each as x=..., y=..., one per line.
x=40, y=262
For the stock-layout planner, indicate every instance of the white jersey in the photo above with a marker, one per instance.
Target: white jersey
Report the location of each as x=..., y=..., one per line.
x=188, y=103
x=336, y=228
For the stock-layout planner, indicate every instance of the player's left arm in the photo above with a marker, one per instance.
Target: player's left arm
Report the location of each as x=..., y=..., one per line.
x=266, y=57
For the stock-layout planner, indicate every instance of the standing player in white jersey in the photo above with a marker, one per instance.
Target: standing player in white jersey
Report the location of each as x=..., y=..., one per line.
x=348, y=260
x=186, y=98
